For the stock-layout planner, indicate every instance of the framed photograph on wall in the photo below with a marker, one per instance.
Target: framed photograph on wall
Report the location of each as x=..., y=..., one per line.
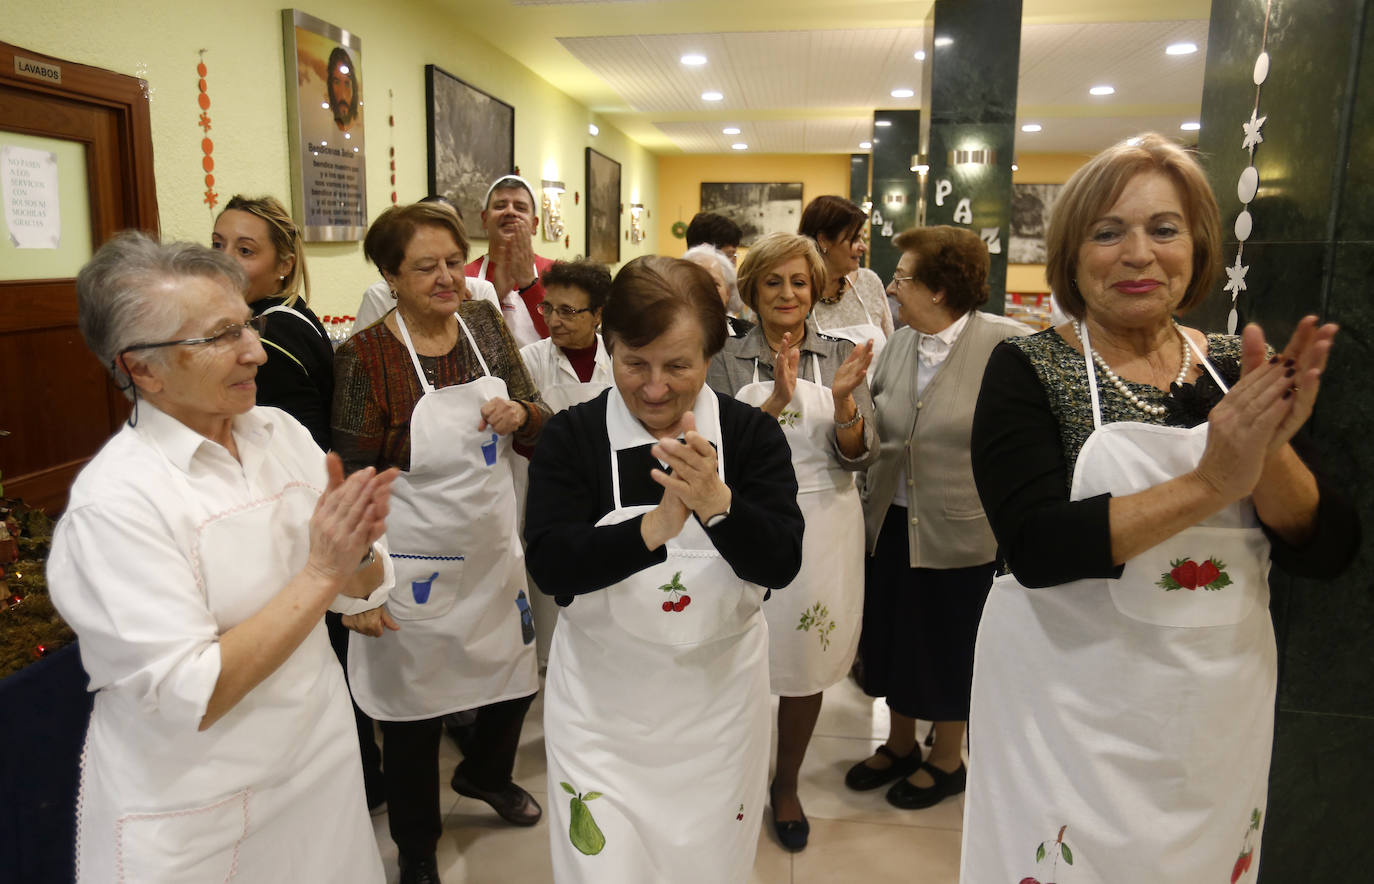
x=471, y=143
x=324, y=110
x=603, y=208
x=1030, y=219
x=757, y=208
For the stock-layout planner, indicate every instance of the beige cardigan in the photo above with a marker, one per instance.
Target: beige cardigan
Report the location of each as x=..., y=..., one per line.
x=946, y=527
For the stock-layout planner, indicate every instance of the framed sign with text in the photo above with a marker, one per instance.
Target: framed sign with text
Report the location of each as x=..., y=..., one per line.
x=324, y=109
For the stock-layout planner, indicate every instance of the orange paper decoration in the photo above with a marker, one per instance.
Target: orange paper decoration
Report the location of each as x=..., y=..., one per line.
x=206, y=145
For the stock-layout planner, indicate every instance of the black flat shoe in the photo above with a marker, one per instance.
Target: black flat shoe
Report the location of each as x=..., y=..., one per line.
x=792, y=834
x=862, y=778
x=908, y=797
x=512, y=803
x=419, y=870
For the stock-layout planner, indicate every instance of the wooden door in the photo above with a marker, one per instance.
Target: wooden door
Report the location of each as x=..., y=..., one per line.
x=57, y=404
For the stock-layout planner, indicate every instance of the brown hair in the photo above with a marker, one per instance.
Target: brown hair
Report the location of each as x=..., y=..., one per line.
x=767, y=253
x=387, y=238
x=651, y=292
x=836, y=217
x=953, y=260
x=286, y=241
x=591, y=277
x=1098, y=185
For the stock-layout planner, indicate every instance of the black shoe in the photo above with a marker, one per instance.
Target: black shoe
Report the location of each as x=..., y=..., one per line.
x=908, y=797
x=419, y=870
x=861, y=777
x=512, y=803
x=792, y=834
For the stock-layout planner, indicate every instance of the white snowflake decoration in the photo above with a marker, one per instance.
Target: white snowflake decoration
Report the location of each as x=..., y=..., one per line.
x=1252, y=130
x=1235, y=278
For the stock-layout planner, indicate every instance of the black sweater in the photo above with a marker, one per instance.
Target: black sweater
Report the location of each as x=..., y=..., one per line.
x=570, y=490
x=298, y=376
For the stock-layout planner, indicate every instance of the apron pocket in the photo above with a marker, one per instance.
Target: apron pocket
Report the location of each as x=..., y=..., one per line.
x=667, y=604
x=194, y=844
x=426, y=586
x=1200, y=577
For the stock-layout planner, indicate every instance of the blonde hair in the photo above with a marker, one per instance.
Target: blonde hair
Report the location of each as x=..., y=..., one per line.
x=286, y=240
x=1098, y=184
x=770, y=251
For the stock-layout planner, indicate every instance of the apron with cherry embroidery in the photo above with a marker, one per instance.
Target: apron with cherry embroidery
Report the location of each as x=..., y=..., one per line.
x=813, y=624
x=1120, y=729
x=656, y=708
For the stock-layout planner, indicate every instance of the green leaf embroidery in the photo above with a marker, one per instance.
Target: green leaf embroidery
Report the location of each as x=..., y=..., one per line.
x=569, y=789
x=1068, y=854
x=674, y=585
x=591, y=795
x=1040, y=852
x=788, y=418
x=1255, y=817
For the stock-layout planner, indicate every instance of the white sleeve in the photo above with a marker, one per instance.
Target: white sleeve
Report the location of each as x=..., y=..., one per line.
x=131, y=595
x=377, y=302
x=345, y=604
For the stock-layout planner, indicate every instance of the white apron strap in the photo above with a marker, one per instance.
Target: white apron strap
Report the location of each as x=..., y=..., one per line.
x=282, y=308
x=415, y=359
x=815, y=370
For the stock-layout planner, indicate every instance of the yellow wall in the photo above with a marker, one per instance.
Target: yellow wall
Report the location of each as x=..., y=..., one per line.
x=1042, y=168
x=159, y=40
x=680, y=177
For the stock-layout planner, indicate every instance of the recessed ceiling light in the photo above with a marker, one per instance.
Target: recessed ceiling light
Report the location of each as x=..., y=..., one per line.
x=693, y=59
x=1190, y=127
x=592, y=130
x=739, y=145
x=944, y=41
x=1031, y=127
x=919, y=55
x=1015, y=168
x=1102, y=90
x=865, y=145
x=711, y=96
x=730, y=130
x=1180, y=48
x=882, y=122
x=902, y=93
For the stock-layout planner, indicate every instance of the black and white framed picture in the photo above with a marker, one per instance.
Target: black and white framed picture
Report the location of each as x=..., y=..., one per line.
x=1030, y=220
x=603, y=208
x=758, y=209
x=471, y=143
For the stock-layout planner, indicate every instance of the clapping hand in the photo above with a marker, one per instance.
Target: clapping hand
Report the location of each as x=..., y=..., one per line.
x=349, y=517
x=693, y=478
x=785, y=363
x=851, y=372
x=1303, y=361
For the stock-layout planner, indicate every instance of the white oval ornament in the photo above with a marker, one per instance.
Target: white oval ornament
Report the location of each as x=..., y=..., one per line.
x=1261, y=68
x=1231, y=322
x=1244, y=223
x=1248, y=184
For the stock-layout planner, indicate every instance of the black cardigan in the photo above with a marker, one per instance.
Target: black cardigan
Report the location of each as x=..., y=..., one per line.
x=570, y=490
x=301, y=384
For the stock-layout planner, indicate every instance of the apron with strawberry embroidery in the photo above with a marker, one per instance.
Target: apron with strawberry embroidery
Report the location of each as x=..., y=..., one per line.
x=1121, y=729
x=656, y=708
x=813, y=623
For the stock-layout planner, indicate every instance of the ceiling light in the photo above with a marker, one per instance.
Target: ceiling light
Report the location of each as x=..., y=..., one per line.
x=902, y=93
x=919, y=55
x=1015, y=168
x=592, y=130
x=1102, y=90
x=1031, y=127
x=1190, y=127
x=693, y=59
x=865, y=145
x=882, y=122
x=739, y=145
x=730, y=130
x=944, y=41
x=1180, y=48
x=711, y=96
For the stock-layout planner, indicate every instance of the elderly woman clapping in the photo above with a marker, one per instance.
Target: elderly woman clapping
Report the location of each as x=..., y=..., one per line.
x=198, y=554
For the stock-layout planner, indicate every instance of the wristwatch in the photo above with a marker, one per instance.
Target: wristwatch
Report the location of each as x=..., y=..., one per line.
x=368, y=559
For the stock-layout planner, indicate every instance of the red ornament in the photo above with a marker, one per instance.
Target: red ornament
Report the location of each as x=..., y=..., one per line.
x=200, y=69
x=393, y=197
x=204, y=122
x=209, y=180
x=201, y=84
x=207, y=146
x=204, y=101
x=208, y=163
x=211, y=198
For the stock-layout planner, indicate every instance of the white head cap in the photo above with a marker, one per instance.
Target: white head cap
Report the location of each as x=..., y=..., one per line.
x=505, y=182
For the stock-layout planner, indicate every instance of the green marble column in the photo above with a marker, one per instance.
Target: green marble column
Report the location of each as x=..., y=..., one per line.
x=1310, y=250
x=896, y=189
x=973, y=50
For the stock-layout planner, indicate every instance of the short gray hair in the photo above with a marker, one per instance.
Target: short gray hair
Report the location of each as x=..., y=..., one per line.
x=115, y=309
x=699, y=254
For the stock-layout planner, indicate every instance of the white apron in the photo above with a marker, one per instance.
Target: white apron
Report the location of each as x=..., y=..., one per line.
x=858, y=334
x=656, y=721
x=467, y=634
x=1137, y=713
x=243, y=800
x=813, y=624
x=513, y=309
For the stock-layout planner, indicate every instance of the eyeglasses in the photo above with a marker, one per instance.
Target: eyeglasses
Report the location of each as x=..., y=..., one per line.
x=900, y=279
x=563, y=310
x=230, y=334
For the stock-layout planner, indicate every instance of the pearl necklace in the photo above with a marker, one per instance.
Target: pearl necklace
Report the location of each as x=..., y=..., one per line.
x=1125, y=391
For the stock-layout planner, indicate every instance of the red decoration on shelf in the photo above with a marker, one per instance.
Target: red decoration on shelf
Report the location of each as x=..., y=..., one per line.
x=206, y=145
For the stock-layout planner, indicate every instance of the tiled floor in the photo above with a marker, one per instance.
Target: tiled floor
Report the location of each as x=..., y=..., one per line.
x=855, y=837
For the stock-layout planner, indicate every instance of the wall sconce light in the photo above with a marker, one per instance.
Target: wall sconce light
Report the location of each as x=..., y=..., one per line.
x=920, y=163
x=636, y=227
x=984, y=156
x=553, y=209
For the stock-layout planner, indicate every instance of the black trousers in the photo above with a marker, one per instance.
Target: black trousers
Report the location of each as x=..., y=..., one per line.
x=410, y=760
x=367, y=742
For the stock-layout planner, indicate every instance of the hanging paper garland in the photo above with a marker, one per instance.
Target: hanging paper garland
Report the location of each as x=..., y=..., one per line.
x=1248, y=184
x=206, y=145
x=391, y=124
